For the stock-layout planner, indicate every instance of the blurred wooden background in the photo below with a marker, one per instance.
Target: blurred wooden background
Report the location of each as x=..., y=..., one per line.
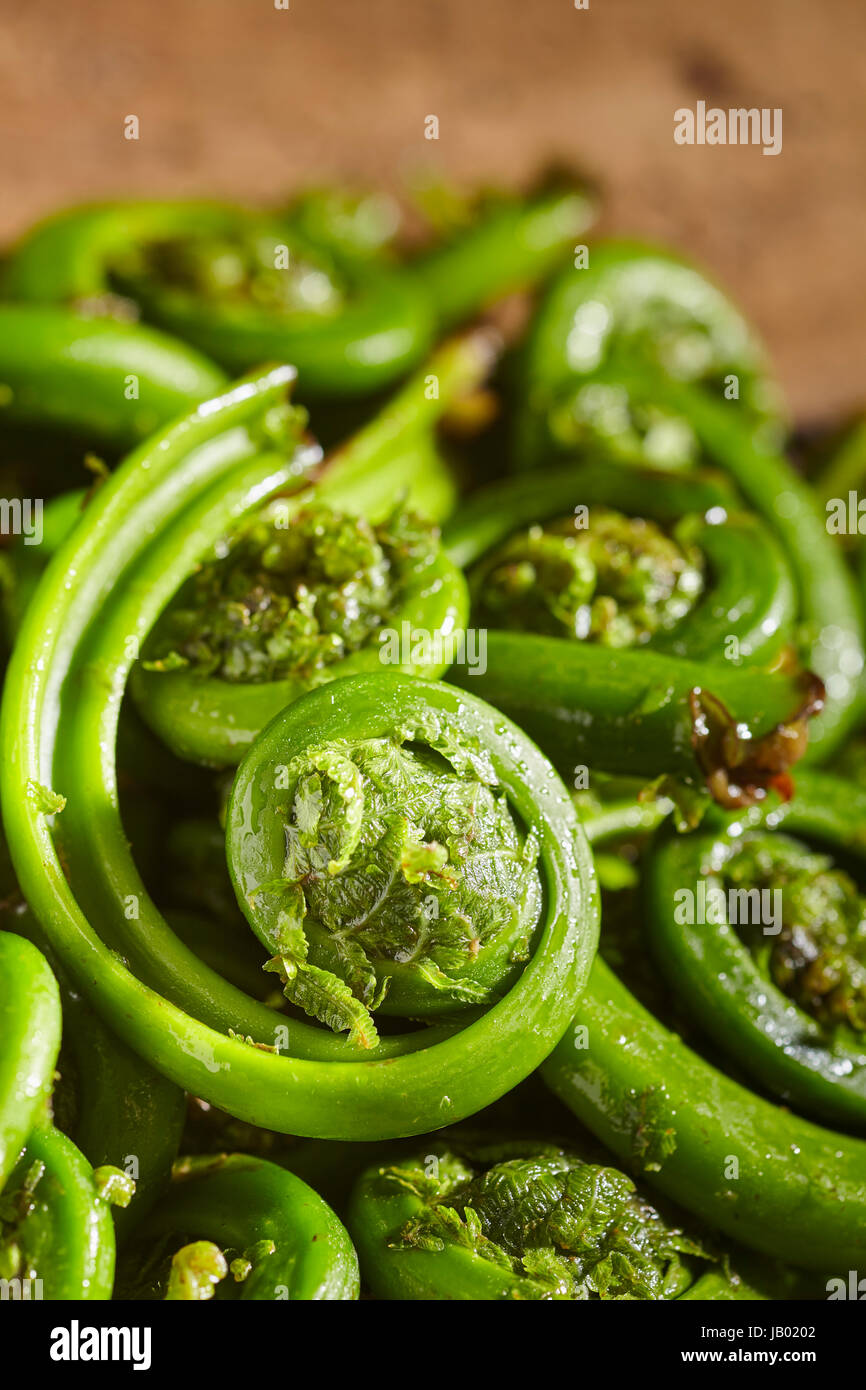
x=237, y=97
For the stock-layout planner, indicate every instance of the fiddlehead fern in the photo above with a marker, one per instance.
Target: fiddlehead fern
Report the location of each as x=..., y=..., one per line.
x=379, y=861
x=195, y=486
x=516, y=1219
x=248, y=287
x=634, y=307
x=763, y=1175
x=422, y=899
x=641, y=606
x=305, y=590
x=672, y=375
x=292, y=603
x=618, y=586
x=233, y=1226
x=773, y=963
x=244, y=287
x=288, y=608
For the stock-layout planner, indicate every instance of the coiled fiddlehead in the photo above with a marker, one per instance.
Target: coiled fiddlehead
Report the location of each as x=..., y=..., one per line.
x=779, y=1183
x=304, y=590
x=244, y=287
x=378, y=858
x=671, y=375
x=642, y=606
x=108, y=584
x=284, y=611
x=248, y=287
x=634, y=306
x=773, y=962
x=524, y=1220
x=233, y=1226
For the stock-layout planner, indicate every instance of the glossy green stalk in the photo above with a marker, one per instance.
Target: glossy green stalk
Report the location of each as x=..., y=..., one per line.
x=116, y=1108
x=831, y=631
x=294, y=1245
x=511, y=246
x=30, y=1029
x=109, y=383
x=57, y=1236
x=128, y=1116
x=640, y=711
x=765, y=1177
x=846, y=470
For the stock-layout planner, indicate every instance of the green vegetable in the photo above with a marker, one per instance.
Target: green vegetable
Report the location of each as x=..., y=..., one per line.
x=634, y=307
x=269, y=1236
x=110, y=383
x=245, y=287
x=766, y=1177
x=675, y=543
x=30, y=1005
x=248, y=287
x=507, y=244
x=178, y=1014
x=123, y=1116
x=673, y=362
x=590, y=695
x=56, y=1232
x=772, y=960
x=210, y=712
x=268, y=858
x=378, y=859
x=516, y=1219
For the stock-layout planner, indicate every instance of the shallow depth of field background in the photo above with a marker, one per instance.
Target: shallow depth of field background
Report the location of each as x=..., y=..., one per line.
x=237, y=98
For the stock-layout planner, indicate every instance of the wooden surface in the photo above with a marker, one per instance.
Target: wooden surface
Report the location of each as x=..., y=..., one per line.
x=236, y=97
